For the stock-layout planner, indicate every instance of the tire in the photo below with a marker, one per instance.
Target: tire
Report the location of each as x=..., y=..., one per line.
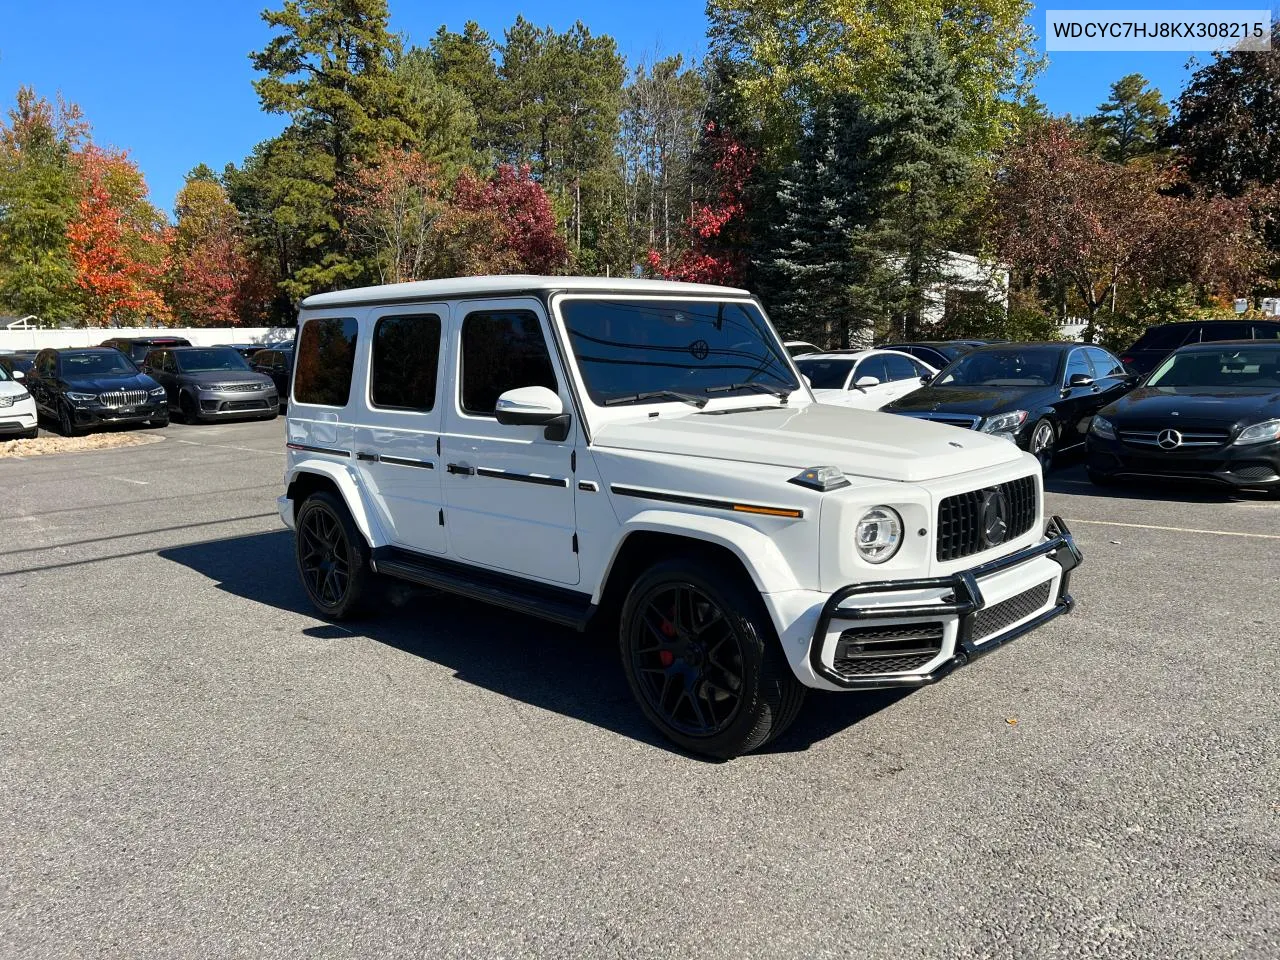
x=188, y=408
x=66, y=425
x=1100, y=479
x=29, y=434
x=332, y=557
x=1043, y=440
x=696, y=640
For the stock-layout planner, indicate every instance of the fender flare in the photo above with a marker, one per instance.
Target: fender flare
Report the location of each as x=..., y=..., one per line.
x=756, y=551
x=348, y=489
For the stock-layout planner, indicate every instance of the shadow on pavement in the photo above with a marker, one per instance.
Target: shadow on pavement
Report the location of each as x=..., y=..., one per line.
x=519, y=657
x=1075, y=482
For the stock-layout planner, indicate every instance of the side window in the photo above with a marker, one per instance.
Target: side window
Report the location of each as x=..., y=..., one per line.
x=1077, y=363
x=1266, y=332
x=921, y=369
x=1104, y=364
x=49, y=366
x=1222, y=330
x=899, y=368
x=406, y=353
x=872, y=367
x=326, y=358
x=502, y=350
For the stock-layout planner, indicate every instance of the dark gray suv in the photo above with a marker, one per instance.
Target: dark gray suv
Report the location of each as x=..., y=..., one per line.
x=212, y=383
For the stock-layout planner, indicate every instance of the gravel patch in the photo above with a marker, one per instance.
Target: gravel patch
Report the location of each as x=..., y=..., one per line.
x=42, y=446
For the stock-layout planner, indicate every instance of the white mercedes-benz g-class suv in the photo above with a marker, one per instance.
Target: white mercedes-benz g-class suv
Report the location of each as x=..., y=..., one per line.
x=643, y=455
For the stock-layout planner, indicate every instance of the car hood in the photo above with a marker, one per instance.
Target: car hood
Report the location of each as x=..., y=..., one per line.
x=860, y=442
x=210, y=377
x=108, y=382
x=1205, y=406
x=978, y=401
x=11, y=388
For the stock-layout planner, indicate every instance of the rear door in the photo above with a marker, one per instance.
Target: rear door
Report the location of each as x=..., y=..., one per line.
x=396, y=447
x=508, y=490
x=903, y=374
x=872, y=398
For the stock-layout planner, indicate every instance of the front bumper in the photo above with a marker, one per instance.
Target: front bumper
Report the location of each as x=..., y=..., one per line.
x=952, y=608
x=230, y=404
x=1251, y=465
x=18, y=418
x=100, y=415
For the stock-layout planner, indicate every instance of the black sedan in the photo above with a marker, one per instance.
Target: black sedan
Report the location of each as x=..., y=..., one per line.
x=1039, y=395
x=212, y=383
x=1209, y=412
x=936, y=353
x=98, y=386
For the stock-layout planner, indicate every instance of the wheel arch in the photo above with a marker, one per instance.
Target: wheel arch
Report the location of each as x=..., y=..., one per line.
x=654, y=535
x=312, y=476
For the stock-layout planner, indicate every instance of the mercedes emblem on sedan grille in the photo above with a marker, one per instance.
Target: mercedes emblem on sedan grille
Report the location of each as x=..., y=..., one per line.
x=995, y=517
x=1169, y=439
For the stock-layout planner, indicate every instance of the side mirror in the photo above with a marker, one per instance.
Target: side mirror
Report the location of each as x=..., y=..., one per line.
x=807, y=382
x=536, y=407
x=1080, y=380
x=864, y=382
x=19, y=375
x=926, y=379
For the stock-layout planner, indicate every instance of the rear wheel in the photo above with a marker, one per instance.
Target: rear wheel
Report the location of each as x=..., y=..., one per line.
x=332, y=556
x=703, y=660
x=1043, y=440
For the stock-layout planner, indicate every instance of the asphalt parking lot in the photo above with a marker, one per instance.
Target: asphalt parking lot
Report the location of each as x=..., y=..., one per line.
x=191, y=764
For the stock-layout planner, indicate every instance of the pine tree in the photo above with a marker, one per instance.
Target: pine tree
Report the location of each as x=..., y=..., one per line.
x=330, y=70
x=816, y=263
x=924, y=159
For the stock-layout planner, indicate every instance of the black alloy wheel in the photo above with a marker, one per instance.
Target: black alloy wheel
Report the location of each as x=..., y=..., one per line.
x=703, y=660
x=1043, y=440
x=689, y=660
x=332, y=556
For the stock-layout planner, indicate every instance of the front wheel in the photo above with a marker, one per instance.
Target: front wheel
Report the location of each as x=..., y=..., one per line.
x=1043, y=440
x=703, y=660
x=66, y=422
x=332, y=556
x=29, y=434
x=1100, y=479
x=188, y=408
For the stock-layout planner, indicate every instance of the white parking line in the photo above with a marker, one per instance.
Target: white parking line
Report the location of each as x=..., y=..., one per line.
x=227, y=446
x=1149, y=526
x=141, y=483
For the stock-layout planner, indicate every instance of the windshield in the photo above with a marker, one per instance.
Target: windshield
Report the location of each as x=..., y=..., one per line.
x=206, y=361
x=698, y=348
x=826, y=374
x=4, y=374
x=96, y=364
x=1238, y=369
x=1003, y=368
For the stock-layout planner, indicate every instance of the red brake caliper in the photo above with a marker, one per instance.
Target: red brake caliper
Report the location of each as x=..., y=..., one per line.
x=666, y=657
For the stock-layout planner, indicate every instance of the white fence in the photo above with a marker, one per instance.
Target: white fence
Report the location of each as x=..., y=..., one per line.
x=92, y=336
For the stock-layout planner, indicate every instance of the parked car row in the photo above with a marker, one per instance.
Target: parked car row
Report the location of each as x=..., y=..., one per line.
x=141, y=380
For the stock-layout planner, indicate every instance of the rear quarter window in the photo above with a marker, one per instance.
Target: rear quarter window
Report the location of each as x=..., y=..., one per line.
x=326, y=359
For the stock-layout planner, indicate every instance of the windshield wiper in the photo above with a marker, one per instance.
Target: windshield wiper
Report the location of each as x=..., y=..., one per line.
x=782, y=393
x=698, y=402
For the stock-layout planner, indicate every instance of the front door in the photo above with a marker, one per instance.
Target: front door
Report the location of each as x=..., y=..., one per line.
x=396, y=444
x=508, y=490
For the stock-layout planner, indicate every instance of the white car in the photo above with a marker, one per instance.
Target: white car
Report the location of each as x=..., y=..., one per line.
x=799, y=348
x=17, y=408
x=642, y=457
x=866, y=379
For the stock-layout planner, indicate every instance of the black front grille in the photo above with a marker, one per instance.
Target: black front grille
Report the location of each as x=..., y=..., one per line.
x=1254, y=471
x=960, y=517
x=244, y=405
x=1006, y=613
x=861, y=651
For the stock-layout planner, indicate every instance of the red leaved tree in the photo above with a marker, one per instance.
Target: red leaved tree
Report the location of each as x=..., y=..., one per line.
x=525, y=234
x=118, y=243
x=392, y=205
x=1098, y=227
x=214, y=281
x=716, y=229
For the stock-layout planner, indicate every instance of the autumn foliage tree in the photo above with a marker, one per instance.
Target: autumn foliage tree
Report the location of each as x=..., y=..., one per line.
x=1101, y=228
x=524, y=228
x=213, y=280
x=392, y=206
x=118, y=243
x=717, y=226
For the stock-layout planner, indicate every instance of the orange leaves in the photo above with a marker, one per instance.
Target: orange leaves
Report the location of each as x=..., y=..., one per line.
x=118, y=243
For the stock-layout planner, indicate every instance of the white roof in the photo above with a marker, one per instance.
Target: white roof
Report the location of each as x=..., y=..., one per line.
x=503, y=285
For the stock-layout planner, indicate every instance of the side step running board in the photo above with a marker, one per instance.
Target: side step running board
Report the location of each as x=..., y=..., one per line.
x=568, y=608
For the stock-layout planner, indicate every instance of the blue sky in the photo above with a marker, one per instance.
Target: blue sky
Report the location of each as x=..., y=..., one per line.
x=172, y=82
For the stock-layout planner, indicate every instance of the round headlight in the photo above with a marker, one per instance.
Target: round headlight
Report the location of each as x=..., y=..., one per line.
x=878, y=534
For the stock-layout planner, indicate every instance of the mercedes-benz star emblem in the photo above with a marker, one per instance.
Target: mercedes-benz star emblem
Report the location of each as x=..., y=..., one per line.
x=1169, y=439
x=995, y=517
